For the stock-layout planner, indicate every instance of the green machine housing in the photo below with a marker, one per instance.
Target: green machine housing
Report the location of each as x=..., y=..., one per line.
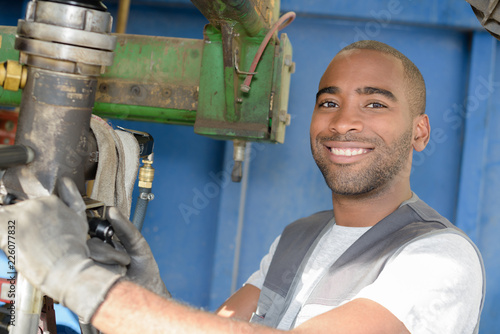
x=197, y=82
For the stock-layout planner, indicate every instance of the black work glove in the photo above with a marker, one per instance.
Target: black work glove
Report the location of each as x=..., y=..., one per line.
x=143, y=269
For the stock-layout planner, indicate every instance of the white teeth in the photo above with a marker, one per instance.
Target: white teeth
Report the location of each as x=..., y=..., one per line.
x=347, y=152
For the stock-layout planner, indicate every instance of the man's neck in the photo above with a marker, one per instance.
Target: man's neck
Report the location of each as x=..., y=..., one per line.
x=369, y=209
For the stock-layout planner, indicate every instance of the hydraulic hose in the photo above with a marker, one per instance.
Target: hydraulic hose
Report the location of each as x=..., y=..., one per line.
x=141, y=207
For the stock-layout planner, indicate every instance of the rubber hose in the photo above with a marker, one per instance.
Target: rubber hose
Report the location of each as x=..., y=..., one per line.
x=140, y=208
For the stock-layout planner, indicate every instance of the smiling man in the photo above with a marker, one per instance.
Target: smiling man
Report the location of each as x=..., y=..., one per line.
x=382, y=261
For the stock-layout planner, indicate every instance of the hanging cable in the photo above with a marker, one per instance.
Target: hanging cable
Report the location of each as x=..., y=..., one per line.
x=284, y=21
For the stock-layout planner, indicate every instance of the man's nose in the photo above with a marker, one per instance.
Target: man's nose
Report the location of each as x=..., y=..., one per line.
x=346, y=119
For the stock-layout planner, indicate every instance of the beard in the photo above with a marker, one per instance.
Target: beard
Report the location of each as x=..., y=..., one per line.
x=385, y=163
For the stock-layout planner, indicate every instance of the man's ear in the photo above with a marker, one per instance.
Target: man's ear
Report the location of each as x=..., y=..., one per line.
x=421, y=131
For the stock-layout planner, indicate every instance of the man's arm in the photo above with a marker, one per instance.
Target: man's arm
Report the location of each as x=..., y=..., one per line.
x=129, y=308
x=357, y=316
x=241, y=304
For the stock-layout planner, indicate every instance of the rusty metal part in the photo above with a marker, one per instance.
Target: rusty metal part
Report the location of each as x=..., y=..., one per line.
x=153, y=94
x=8, y=126
x=47, y=322
x=13, y=75
x=253, y=16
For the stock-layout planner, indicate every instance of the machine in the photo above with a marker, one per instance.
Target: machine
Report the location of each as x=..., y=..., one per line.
x=62, y=64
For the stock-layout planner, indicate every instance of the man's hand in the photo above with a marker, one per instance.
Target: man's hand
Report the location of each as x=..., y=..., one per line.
x=51, y=251
x=143, y=269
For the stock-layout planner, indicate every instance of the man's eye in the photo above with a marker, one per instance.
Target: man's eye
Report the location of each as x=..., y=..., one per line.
x=376, y=105
x=328, y=104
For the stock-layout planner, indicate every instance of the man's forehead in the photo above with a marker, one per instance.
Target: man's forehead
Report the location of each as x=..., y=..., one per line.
x=365, y=63
x=354, y=54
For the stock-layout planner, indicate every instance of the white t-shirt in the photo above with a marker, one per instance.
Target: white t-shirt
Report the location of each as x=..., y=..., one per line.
x=434, y=285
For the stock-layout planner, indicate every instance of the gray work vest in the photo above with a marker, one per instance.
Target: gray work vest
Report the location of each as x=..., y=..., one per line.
x=356, y=268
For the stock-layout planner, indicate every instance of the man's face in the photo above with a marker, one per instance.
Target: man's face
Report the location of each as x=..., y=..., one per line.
x=361, y=128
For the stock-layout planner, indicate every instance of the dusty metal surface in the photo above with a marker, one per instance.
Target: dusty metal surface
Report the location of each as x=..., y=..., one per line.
x=157, y=72
x=252, y=16
x=56, y=128
x=59, y=95
x=159, y=95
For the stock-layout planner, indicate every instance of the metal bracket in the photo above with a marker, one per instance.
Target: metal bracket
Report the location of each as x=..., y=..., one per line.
x=238, y=70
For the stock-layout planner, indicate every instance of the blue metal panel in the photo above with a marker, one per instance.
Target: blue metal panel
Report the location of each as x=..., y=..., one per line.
x=478, y=209
x=481, y=96
x=162, y=20
x=453, y=13
x=227, y=229
x=10, y=12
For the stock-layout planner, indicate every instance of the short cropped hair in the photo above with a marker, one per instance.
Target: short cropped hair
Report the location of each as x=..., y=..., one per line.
x=415, y=84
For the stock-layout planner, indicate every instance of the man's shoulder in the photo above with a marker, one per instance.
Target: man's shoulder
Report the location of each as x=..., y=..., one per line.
x=427, y=213
x=316, y=221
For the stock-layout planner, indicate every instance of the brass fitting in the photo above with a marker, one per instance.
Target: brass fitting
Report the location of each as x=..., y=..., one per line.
x=13, y=76
x=146, y=174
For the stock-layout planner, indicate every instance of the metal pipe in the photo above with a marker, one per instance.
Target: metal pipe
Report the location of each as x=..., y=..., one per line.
x=241, y=219
x=123, y=11
x=56, y=105
x=13, y=155
x=29, y=302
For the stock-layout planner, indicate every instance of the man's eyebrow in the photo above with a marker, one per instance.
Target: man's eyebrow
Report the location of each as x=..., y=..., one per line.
x=327, y=90
x=374, y=90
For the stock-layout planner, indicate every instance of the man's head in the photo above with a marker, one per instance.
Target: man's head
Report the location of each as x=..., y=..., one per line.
x=369, y=114
x=414, y=82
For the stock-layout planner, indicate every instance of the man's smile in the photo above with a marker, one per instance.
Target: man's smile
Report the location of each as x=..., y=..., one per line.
x=347, y=152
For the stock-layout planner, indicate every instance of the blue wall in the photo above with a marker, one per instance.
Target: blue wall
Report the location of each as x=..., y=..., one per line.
x=202, y=257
